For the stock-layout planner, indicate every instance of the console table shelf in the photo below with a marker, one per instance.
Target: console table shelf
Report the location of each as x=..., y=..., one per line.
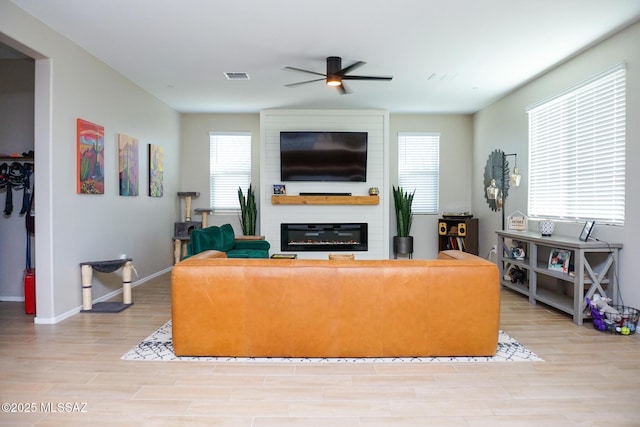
x=324, y=200
x=594, y=269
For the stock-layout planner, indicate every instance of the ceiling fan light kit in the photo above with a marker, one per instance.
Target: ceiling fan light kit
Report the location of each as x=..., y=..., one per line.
x=333, y=81
x=336, y=74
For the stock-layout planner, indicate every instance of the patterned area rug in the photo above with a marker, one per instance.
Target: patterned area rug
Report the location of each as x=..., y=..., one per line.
x=159, y=347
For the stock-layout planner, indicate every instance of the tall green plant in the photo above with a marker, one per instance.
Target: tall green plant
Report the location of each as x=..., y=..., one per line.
x=248, y=211
x=404, y=216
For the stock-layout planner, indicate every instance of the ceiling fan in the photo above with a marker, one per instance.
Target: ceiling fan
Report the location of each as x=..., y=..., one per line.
x=336, y=74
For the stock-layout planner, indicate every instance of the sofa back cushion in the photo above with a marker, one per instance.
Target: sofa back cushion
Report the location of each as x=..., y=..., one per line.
x=227, y=237
x=212, y=238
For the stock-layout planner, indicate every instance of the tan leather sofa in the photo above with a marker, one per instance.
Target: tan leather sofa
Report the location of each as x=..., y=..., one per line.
x=335, y=308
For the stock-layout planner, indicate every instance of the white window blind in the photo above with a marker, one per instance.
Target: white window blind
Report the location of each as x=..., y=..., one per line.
x=419, y=169
x=229, y=168
x=577, y=152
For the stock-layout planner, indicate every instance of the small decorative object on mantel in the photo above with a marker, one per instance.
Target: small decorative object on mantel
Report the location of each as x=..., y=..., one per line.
x=374, y=191
x=546, y=227
x=279, y=189
x=517, y=221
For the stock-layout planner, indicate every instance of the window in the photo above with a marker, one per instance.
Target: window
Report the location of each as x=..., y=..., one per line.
x=419, y=169
x=577, y=152
x=229, y=168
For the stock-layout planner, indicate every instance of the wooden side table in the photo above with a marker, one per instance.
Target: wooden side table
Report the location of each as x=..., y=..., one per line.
x=249, y=237
x=179, y=248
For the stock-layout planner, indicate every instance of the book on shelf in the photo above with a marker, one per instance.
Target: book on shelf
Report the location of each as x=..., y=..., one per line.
x=456, y=243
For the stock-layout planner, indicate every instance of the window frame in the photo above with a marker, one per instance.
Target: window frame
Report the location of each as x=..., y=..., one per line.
x=577, y=157
x=414, y=175
x=226, y=166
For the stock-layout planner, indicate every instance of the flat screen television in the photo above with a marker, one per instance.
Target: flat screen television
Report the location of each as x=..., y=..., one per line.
x=323, y=156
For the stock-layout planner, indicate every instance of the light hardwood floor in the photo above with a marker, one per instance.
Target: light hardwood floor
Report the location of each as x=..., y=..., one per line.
x=587, y=379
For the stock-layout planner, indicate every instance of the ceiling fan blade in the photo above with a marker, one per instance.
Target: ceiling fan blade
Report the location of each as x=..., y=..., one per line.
x=366, y=78
x=352, y=67
x=304, y=71
x=305, y=82
x=342, y=89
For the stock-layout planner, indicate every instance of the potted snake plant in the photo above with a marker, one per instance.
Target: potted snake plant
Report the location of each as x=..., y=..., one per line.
x=248, y=211
x=403, y=242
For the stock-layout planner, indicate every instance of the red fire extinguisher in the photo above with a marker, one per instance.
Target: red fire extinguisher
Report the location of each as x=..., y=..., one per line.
x=29, y=273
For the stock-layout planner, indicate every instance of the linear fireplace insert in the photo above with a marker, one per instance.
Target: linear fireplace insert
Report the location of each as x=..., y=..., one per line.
x=324, y=237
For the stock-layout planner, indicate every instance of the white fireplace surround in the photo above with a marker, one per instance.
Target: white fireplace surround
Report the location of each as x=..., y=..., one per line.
x=376, y=124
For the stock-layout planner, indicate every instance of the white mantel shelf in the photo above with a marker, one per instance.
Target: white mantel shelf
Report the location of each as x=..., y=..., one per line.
x=324, y=200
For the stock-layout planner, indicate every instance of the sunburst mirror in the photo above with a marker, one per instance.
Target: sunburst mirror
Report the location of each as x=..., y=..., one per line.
x=495, y=171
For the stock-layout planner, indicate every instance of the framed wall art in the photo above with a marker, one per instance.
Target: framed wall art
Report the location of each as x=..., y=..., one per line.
x=128, y=165
x=156, y=170
x=90, y=158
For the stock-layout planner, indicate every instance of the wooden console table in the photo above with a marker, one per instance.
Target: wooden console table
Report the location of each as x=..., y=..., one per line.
x=595, y=267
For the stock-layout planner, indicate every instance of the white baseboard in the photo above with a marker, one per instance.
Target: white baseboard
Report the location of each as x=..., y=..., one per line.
x=12, y=299
x=76, y=310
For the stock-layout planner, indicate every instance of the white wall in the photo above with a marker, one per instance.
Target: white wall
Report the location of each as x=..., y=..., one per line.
x=194, y=165
x=375, y=123
x=16, y=136
x=73, y=228
x=456, y=165
x=456, y=144
x=503, y=125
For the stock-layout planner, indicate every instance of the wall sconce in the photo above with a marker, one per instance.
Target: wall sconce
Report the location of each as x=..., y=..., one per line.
x=515, y=176
x=492, y=190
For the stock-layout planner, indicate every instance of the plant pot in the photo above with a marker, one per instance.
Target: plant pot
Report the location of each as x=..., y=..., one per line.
x=403, y=245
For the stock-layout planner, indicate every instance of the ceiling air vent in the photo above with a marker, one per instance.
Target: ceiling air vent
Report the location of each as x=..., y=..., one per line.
x=236, y=76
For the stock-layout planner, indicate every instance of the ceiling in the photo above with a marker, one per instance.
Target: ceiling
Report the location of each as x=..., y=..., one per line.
x=445, y=56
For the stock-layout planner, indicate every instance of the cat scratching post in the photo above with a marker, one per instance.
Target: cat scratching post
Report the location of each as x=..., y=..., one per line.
x=187, y=195
x=126, y=283
x=204, y=213
x=182, y=230
x=106, y=267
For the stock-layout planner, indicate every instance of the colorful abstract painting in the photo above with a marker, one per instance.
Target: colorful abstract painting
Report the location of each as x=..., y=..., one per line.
x=156, y=170
x=90, y=157
x=128, y=165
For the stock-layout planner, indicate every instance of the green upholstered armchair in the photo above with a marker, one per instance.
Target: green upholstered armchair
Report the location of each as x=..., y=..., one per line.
x=223, y=239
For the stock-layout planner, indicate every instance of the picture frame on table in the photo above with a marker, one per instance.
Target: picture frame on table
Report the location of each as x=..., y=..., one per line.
x=586, y=230
x=559, y=260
